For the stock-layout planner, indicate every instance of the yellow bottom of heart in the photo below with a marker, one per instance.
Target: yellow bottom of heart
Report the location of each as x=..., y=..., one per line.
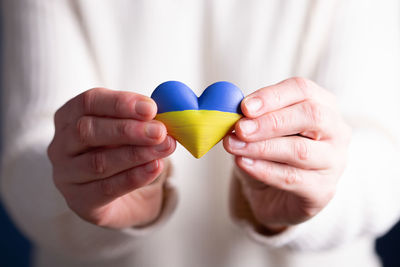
x=198, y=130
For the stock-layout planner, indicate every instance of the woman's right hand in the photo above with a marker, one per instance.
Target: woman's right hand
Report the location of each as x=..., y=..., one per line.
x=106, y=152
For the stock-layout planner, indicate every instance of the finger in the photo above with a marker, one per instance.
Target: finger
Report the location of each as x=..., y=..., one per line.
x=104, y=163
x=296, y=151
x=97, y=131
x=108, y=103
x=283, y=94
x=307, y=118
x=102, y=192
x=275, y=174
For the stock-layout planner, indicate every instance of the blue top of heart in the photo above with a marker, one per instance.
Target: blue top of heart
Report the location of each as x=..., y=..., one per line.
x=176, y=96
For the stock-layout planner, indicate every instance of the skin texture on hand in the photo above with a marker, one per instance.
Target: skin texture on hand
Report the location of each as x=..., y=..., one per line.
x=291, y=147
x=107, y=153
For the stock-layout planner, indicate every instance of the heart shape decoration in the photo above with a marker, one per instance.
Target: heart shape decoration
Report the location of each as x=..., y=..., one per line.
x=198, y=123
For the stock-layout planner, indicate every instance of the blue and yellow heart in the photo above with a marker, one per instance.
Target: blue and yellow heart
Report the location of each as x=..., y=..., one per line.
x=198, y=123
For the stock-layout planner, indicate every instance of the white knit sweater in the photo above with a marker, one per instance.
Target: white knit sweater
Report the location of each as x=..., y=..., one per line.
x=55, y=49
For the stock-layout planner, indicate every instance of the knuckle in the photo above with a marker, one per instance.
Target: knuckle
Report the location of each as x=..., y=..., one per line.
x=314, y=112
x=271, y=97
x=130, y=180
x=133, y=154
x=301, y=150
x=303, y=85
x=88, y=99
x=263, y=147
x=267, y=172
x=276, y=121
x=57, y=116
x=123, y=129
x=50, y=151
x=85, y=127
x=60, y=118
x=291, y=176
x=53, y=151
x=266, y=147
x=98, y=162
x=118, y=105
x=276, y=96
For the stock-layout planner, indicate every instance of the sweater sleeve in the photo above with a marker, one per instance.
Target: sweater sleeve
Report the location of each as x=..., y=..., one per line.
x=359, y=62
x=46, y=61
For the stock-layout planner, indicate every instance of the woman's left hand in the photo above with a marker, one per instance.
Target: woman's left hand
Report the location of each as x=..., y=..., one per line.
x=291, y=147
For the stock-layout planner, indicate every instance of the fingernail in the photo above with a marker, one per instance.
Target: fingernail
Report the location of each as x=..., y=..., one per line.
x=152, y=166
x=235, y=143
x=247, y=161
x=248, y=126
x=152, y=130
x=144, y=107
x=164, y=146
x=253, y=104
